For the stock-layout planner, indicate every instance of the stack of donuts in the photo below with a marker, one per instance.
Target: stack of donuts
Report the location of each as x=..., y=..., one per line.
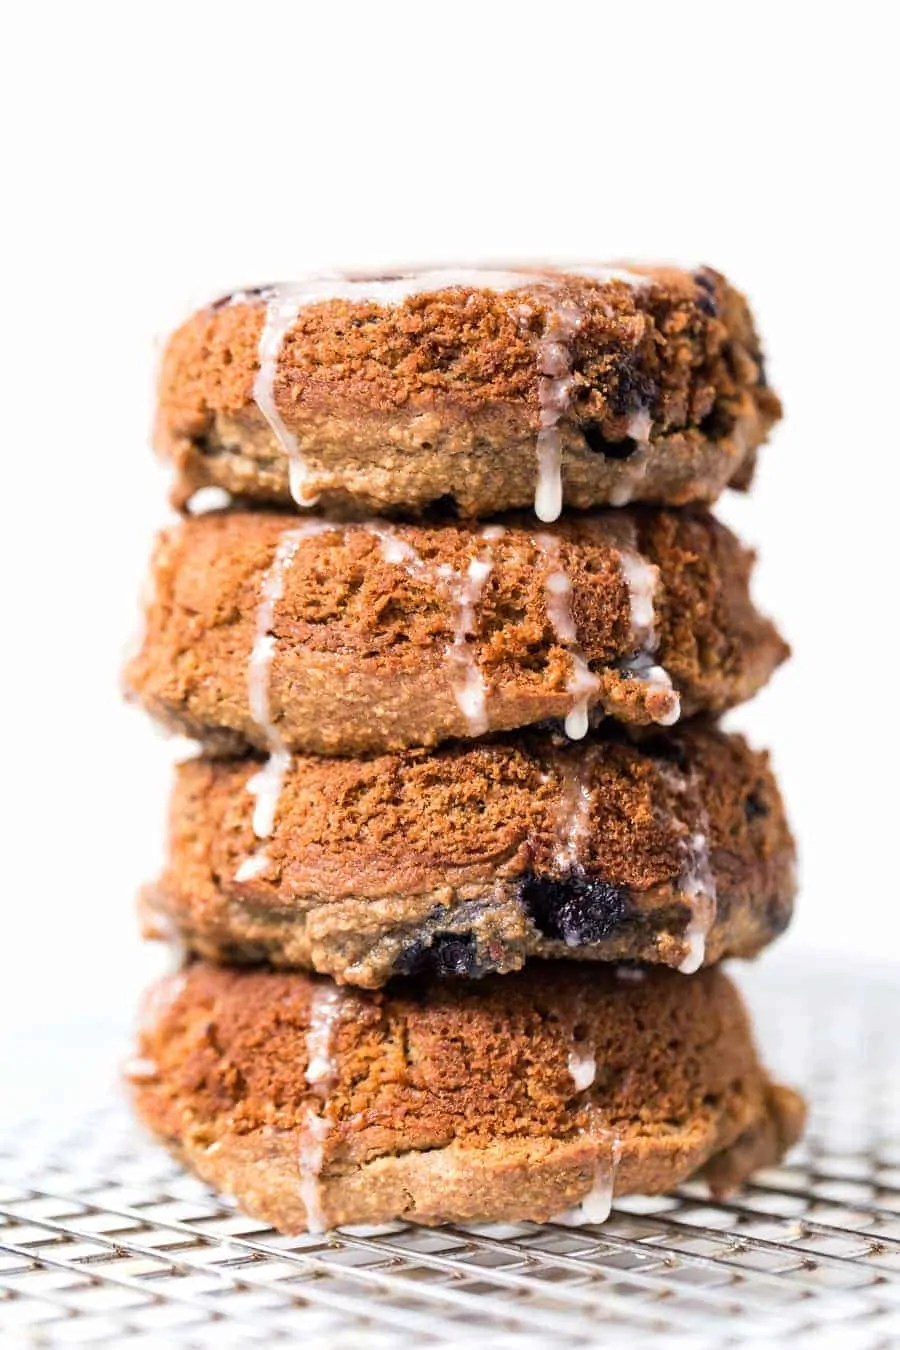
x=463, y=845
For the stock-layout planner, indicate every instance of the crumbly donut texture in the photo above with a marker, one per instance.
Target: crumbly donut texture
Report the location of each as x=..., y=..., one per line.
x=383, y=637
x=476, y=856
x=405, y=391
x=514, y=1098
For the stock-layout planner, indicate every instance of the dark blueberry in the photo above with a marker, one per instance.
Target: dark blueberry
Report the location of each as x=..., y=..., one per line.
x=597, y=442
x=707, y=305
x=446, y=954
x=632, y=389
x=577, y=909
x=754, y=806
x=705, y=279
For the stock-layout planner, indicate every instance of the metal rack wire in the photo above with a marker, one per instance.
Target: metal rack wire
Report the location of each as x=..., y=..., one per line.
x=103, y=1238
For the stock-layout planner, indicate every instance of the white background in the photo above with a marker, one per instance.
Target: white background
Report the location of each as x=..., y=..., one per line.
x=163, y=153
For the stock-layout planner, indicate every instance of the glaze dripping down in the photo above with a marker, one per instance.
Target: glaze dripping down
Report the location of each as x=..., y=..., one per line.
x=463, y=589
x=582, y=682
x=555, y=384
x=595, y=1205
x=283, y=305
x=321, y=1071
x=574, y=812
x=554, y=357
x=282, y=311
x=696, y=883
x=642, y=583
x=635, y=467
x=265, y=785
x=582, y=1066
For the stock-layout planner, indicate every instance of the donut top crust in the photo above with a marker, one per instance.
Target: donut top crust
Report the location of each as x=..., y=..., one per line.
x=606, y=354
x=380, y=342
x=416, y=1066
x=368, y=637
x=477, y=855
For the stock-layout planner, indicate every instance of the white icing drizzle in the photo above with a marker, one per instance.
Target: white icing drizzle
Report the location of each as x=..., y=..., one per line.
x=554, y=356
x=397, y=551
x=468, y=682
x=208, y=499
x=324, y=1012
x=256, y=864
x=265, y=785
x=634, y=468
x=283, y=305
x=393, y=548
x=582, y=682
x=597, y=272
x=558, y=594
x=282, y=310
x=576, y=800
x=555, y=383
x=642, y=581
x=696, y=884
x=321, y=1071
x=464, y=590
x=582, y=1066
x=314, y=1131
x=595, y=1205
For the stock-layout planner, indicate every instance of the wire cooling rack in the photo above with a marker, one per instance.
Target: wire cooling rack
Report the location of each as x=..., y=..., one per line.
x=104, y=1240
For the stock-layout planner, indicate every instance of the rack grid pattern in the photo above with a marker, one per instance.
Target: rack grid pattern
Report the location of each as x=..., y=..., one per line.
x=103, y=1238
